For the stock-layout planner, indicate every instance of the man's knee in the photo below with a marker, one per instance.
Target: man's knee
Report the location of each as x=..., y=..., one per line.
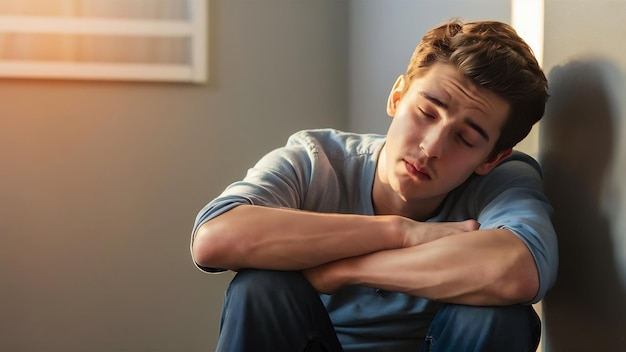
x=265, y=294
x=268, y=310
x=255, y=281
x=270, y=286
x=497, y=317
x=486, y=328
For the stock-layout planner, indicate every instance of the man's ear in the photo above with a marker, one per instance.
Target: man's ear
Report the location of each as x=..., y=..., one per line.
x=394, y=96
x=493, y=160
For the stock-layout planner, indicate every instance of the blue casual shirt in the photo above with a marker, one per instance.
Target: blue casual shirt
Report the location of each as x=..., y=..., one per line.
x=330, y=171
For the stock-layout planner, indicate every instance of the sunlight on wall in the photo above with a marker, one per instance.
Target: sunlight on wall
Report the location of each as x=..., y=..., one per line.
x=527, y=18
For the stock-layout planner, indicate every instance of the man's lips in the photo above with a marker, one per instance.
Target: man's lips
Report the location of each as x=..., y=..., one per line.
x=417, y=171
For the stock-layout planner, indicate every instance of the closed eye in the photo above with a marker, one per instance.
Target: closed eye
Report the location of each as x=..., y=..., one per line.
x=430, y=116
x=464, y=141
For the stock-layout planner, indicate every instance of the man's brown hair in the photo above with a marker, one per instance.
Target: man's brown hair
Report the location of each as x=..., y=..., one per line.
x=493, y=56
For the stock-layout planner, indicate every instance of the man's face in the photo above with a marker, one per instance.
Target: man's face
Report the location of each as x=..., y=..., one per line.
x=443, y=129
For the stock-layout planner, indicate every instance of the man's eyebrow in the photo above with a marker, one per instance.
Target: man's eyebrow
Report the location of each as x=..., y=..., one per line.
x=469, y=122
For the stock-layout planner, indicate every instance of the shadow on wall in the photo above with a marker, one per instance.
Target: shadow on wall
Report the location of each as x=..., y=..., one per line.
x=586, y=311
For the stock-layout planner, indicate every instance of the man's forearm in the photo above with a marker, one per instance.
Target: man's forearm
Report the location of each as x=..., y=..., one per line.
x=485, y=267
x=283, y=239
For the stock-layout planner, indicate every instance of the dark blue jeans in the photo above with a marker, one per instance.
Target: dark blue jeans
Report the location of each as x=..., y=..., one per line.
x=280, y=311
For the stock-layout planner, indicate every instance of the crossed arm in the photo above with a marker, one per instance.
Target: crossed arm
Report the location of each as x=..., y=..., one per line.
x=451, y=262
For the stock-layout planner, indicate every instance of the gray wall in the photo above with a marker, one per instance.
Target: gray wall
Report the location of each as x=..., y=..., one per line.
x=583, y=153
x=100, y=181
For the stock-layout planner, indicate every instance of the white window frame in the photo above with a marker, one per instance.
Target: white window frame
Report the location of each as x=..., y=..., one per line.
x=194, y=28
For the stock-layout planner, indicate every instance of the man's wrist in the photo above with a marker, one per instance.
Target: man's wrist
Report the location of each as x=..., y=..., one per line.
x=395, y=231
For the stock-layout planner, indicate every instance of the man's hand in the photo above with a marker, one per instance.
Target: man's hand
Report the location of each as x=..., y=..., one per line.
x=330, y=277
x=417, y=233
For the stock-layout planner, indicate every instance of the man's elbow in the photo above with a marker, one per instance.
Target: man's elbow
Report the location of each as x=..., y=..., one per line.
x=521, y=287
x=524, y=291
x=207, y=249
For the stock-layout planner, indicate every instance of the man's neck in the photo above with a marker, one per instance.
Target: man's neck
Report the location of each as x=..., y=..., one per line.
x=387, y=202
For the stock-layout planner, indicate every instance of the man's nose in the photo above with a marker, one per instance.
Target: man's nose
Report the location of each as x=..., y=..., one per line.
x=433, y=142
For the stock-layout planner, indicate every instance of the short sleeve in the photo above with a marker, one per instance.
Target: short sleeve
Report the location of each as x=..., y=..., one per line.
x=279, y=179
x=511, y=197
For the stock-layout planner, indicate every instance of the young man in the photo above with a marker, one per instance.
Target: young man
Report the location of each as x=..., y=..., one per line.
x=434, y=237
